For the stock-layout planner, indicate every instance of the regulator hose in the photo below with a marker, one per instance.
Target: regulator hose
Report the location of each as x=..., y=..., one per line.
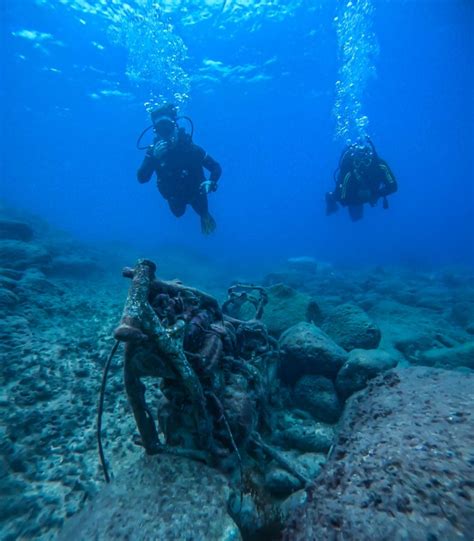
x=100, y=410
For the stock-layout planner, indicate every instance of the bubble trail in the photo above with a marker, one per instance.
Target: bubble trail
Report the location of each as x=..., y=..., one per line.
x=358, y=49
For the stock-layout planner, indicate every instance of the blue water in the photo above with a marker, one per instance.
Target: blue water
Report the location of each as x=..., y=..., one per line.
x=259, y=80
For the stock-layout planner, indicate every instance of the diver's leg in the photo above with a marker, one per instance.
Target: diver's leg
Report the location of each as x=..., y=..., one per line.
x=177, y=206
x=356, y=212
x=331, y=203
x=136, y=397
x=200, y=206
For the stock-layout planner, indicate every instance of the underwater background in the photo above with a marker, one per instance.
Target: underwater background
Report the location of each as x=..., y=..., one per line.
x=333, y=398
x=264, y=83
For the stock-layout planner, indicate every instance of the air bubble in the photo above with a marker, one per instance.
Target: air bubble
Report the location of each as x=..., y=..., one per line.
x=357, y=49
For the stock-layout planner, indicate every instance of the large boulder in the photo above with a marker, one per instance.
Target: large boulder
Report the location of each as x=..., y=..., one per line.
x=19, y=255
x=160, y=497
x=15, y=230
x=286, y=307
x=362, y=366
x=317, y=396
x=402, y=465
x=306, y=349
x=351, y=328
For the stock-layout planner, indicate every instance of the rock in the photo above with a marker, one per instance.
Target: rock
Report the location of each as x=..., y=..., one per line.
x=281, y=483
x=351, y=328
x=402, y=465
x=19, y=255
x=305, y=435
x=73, y=265
x=303, y=264
x=15, y=230
x=414, y=341
x=311, y=463
x=160, y=497
x=290, y=279
x=286, y=307
x=303, y=274
x=317, y=395
x=7, y=283
x=248, y=516
x=8, y=299
x=362, y=366
x=293, y=503
x=462, y=313
x=14, y=324
x=412, y=330
x=434, y=298
x=305, y=349
x=11, y=274
x=34, y=281
x=454, y=357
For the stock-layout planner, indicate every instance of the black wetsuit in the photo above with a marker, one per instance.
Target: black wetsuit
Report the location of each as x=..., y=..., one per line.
x=363, y=183
x=180, y=173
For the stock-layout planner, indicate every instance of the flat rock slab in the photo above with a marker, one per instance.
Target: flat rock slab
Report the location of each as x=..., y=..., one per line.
x=160, y=497
x=402, y=467
x=460, y=356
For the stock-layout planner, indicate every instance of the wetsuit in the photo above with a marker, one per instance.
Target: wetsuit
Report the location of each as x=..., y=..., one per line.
x=362, y=178
x=180, y=173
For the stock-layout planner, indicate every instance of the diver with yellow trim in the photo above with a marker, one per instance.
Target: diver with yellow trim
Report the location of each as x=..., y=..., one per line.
x=362, y=177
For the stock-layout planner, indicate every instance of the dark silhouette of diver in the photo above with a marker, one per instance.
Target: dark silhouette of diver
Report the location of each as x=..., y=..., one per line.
x=362, y=177
x=178, y=164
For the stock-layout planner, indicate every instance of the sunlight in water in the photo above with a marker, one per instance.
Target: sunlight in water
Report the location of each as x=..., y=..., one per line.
x=156, y=54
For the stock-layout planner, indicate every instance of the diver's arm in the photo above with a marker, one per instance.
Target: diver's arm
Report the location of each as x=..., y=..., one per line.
x=145, y=171
x=389, y=182
x=213, y=167
x=342, y=185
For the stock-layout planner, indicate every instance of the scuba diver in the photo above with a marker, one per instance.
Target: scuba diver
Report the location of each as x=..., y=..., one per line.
x=362, y=177
x=178, y=164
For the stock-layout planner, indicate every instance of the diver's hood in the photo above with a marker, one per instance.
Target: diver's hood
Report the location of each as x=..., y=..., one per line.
x=166, y=111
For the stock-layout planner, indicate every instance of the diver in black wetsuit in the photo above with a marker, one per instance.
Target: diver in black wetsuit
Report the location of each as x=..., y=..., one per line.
x=362, y=177
x=178, y=164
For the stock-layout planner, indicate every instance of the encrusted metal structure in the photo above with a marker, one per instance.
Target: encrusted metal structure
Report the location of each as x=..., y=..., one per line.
x=212, y=366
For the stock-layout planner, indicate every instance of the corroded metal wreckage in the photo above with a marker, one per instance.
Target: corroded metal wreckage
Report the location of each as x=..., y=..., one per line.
x=212, y=368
